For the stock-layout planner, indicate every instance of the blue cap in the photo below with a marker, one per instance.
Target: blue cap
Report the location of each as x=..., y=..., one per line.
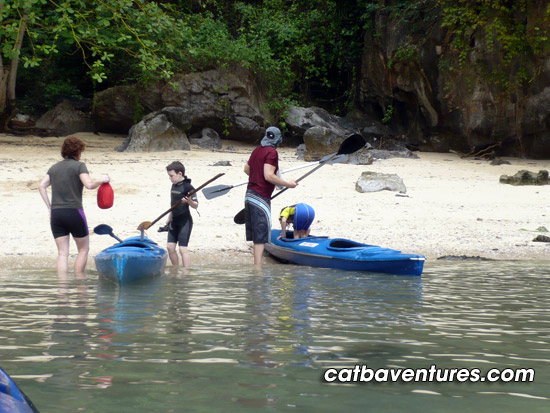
x=272, y=137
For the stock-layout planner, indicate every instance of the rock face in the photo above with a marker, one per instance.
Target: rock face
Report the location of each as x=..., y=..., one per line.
x=299, y=120
x=374, y=182
x=524, y=177
x=226, y=100
x=405, y=77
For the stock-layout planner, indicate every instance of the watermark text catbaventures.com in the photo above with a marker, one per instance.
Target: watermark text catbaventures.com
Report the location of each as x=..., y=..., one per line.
x=433, y=374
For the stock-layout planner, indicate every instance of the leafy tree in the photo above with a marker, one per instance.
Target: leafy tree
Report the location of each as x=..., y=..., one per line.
x=315, y=44
x=31, y=31
x=308, y=47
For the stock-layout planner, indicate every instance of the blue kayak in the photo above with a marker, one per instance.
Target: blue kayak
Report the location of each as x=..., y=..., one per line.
x=12, y=399
x=343, y=254
x=132, y=260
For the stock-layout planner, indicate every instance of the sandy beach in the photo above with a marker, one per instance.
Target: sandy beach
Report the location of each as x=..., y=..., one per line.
x=452, y=207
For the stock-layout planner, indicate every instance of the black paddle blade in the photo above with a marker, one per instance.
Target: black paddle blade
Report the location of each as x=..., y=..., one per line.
x=352, y=144
x=215, y=191
x=239, y=218
x=103, y=229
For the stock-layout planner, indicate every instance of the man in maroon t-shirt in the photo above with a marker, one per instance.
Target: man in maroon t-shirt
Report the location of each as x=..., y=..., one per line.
x=262, y=171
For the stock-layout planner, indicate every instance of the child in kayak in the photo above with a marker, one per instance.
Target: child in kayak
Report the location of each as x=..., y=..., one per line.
x=301, y=217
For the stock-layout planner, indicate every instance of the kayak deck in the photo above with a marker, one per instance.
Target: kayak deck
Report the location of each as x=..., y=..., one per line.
x=132, y=260
x=321, y=251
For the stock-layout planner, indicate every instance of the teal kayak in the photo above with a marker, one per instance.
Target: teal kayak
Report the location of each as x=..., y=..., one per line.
x=131, y=260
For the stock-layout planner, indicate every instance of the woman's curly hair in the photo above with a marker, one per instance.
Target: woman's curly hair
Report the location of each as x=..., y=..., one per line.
x=72, y=147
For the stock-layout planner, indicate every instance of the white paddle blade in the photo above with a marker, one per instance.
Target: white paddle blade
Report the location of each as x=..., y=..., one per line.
x=338, y=159
x=215, y=191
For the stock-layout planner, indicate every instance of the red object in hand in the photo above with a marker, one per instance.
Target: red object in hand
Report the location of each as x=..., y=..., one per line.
x=105, y=196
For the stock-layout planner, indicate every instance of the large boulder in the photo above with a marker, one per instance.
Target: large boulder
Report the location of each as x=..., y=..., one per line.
x=300, y=119
x=361, y=157
x=207, y=138
x=226, y=100
x=320, y=141
x=65, y=119
x=118, y=108
x=159, y=131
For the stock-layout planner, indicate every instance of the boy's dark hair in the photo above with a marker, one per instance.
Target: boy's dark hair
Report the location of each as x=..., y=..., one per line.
x=176, y=166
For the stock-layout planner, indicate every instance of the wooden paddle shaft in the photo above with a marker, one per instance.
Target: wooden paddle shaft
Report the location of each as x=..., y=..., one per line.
x=177, y=204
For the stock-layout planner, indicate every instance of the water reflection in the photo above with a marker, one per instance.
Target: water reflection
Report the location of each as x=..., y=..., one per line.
x=232, y=337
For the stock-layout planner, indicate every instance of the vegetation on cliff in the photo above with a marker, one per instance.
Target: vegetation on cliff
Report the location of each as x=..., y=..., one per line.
x=303, y=50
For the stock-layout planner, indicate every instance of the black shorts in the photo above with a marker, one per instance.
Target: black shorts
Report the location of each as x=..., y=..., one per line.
x=180, y=231
x=257, y=217
x=65, y=221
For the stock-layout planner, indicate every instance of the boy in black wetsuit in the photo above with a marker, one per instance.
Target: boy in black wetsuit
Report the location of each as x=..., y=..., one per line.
x=179, y=220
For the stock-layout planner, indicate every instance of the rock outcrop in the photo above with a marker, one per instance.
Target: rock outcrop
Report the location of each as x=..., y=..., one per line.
x=524, y=177
x=405, y=78
x=374, y=182
x=226, y=100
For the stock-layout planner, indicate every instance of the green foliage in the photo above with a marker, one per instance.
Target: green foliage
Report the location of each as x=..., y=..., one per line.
x=42, y=88
x=505, y=31
x=388, y=113
x=405, y=53
x=59, y=76
x=308, y=47
x=140, y=36
x=224, y=105
x=299, y=50
x=295, y=48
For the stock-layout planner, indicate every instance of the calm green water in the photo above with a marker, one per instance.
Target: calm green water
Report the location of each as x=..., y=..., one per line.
x=231, y=338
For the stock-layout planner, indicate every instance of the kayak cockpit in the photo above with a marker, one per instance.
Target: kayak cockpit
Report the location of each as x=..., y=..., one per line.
x=133, y=244
x=338, y=244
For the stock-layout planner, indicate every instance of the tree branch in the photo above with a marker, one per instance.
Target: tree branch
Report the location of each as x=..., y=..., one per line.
x=15, y=61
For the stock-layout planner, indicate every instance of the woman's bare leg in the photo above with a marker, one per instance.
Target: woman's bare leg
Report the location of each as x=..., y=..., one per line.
x=83, y=246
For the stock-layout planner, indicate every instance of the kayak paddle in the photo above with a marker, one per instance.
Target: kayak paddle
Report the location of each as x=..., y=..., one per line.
x=148, y=224
x=350, y=145
x=104, y=229
x=218, y=190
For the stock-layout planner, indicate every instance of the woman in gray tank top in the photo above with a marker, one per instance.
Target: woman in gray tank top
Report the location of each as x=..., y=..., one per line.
x=67, y=179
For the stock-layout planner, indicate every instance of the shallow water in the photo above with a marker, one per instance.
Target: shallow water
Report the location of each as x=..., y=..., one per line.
x=232, y=337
